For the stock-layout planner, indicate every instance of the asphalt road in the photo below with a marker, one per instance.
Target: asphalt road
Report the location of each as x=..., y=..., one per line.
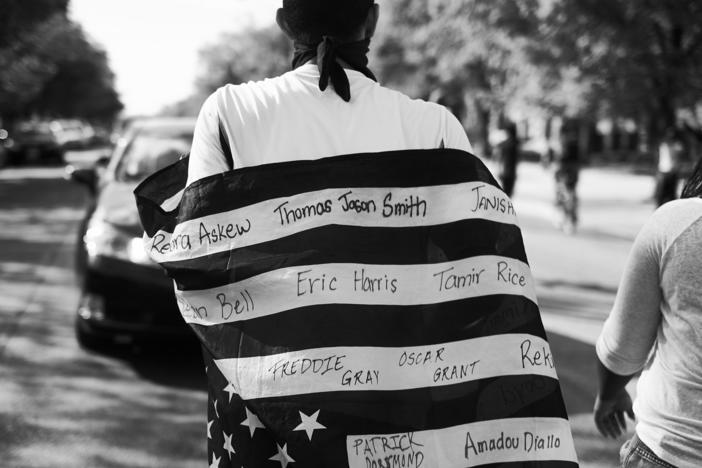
x=61, y=406
x=577, y=278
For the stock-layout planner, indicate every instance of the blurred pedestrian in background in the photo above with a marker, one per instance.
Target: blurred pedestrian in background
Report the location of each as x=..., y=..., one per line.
x=655, y=326
x=564, y=159
x=670, y=159
x=508, y=156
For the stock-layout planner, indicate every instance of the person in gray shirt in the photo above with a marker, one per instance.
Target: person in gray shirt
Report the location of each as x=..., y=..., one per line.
x=656, y=327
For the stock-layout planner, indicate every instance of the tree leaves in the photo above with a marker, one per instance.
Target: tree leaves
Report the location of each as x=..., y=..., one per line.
x=642, y=57
x=239, y=57
x=49, y=67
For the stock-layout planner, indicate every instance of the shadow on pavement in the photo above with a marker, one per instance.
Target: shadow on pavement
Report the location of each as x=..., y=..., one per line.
x=31, y=192
x=595, y=287
x=170, y=364
x=577, y=372
x=66, y=407
x=577, y=304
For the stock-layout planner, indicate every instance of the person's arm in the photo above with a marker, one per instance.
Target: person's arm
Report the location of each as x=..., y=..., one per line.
x=612, y=402
x=629, y=333
x=206, y=154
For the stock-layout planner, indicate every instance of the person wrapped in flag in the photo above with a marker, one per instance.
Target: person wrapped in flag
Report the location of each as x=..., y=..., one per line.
x=356, y=276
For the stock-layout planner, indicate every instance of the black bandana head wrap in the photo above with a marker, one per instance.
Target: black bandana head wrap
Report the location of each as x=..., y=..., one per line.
x=327, y=51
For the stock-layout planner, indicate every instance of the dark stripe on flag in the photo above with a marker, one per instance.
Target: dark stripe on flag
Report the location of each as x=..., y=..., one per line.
x=372, y=325
x=532, y=464
x=156, y=189
x=421, y=409
x=367, y=245
x=249, y=185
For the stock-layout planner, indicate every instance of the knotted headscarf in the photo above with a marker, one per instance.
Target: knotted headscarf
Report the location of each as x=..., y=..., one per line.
x=327, y=51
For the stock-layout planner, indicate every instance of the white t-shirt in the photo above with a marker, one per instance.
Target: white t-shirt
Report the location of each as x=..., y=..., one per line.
x=288, y=118
x=659, y=308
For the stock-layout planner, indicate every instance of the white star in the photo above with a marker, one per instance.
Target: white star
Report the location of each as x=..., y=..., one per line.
x=283, y=456
x=209, y=426
x=252, y=421
x=228, y=444
x=309, y=424
x=214, y=403
x=230, y=390
x=215, y=461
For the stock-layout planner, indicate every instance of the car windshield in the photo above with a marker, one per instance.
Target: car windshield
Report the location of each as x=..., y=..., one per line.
x=151, y=150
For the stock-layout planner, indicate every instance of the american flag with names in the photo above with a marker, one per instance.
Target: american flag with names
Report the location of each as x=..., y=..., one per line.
x=364, y=311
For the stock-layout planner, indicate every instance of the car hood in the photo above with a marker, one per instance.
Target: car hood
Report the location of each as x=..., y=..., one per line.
x=116, y=205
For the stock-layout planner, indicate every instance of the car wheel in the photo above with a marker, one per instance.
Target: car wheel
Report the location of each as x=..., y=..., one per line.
x=14, y=159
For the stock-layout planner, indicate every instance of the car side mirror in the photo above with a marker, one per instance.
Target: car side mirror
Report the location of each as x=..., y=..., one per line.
x=85, y=176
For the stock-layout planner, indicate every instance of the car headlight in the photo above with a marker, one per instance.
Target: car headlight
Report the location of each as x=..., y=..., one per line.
x=105, y=240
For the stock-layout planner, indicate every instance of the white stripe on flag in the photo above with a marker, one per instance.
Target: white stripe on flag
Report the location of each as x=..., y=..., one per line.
x=474, y=444
x=350, y=283
x=384, y=368
x=367, y=207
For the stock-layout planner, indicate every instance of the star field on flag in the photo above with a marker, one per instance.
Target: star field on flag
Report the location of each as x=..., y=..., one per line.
x=282, y=456
x=228, y=444
x=309, y=424
x=252, y=422
x=231, y=391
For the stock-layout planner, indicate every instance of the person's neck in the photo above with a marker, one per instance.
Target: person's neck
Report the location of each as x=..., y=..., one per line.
x=313, y=61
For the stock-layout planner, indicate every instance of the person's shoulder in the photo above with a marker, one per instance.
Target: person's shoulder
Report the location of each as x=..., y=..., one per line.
x=682, y=208
x=419, y=109
x=414, y=104
x=675, y=217
x=431, y=118
x=255, y=87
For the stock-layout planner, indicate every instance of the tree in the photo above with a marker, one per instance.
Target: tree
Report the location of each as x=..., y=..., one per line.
x=641, y=59
x=82, y=84
x=23, y=28
x=49, y=67
x=253, y=54
x=471, y=53
x=188, y=107
x=20, y=16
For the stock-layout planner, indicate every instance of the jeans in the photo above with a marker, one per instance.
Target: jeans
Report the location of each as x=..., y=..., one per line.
x=635, y=454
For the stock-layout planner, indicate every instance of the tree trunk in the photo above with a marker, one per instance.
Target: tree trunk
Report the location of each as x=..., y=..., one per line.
x=584, y=132
x=644, y=134
x=482, y=115
x=608, y=142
